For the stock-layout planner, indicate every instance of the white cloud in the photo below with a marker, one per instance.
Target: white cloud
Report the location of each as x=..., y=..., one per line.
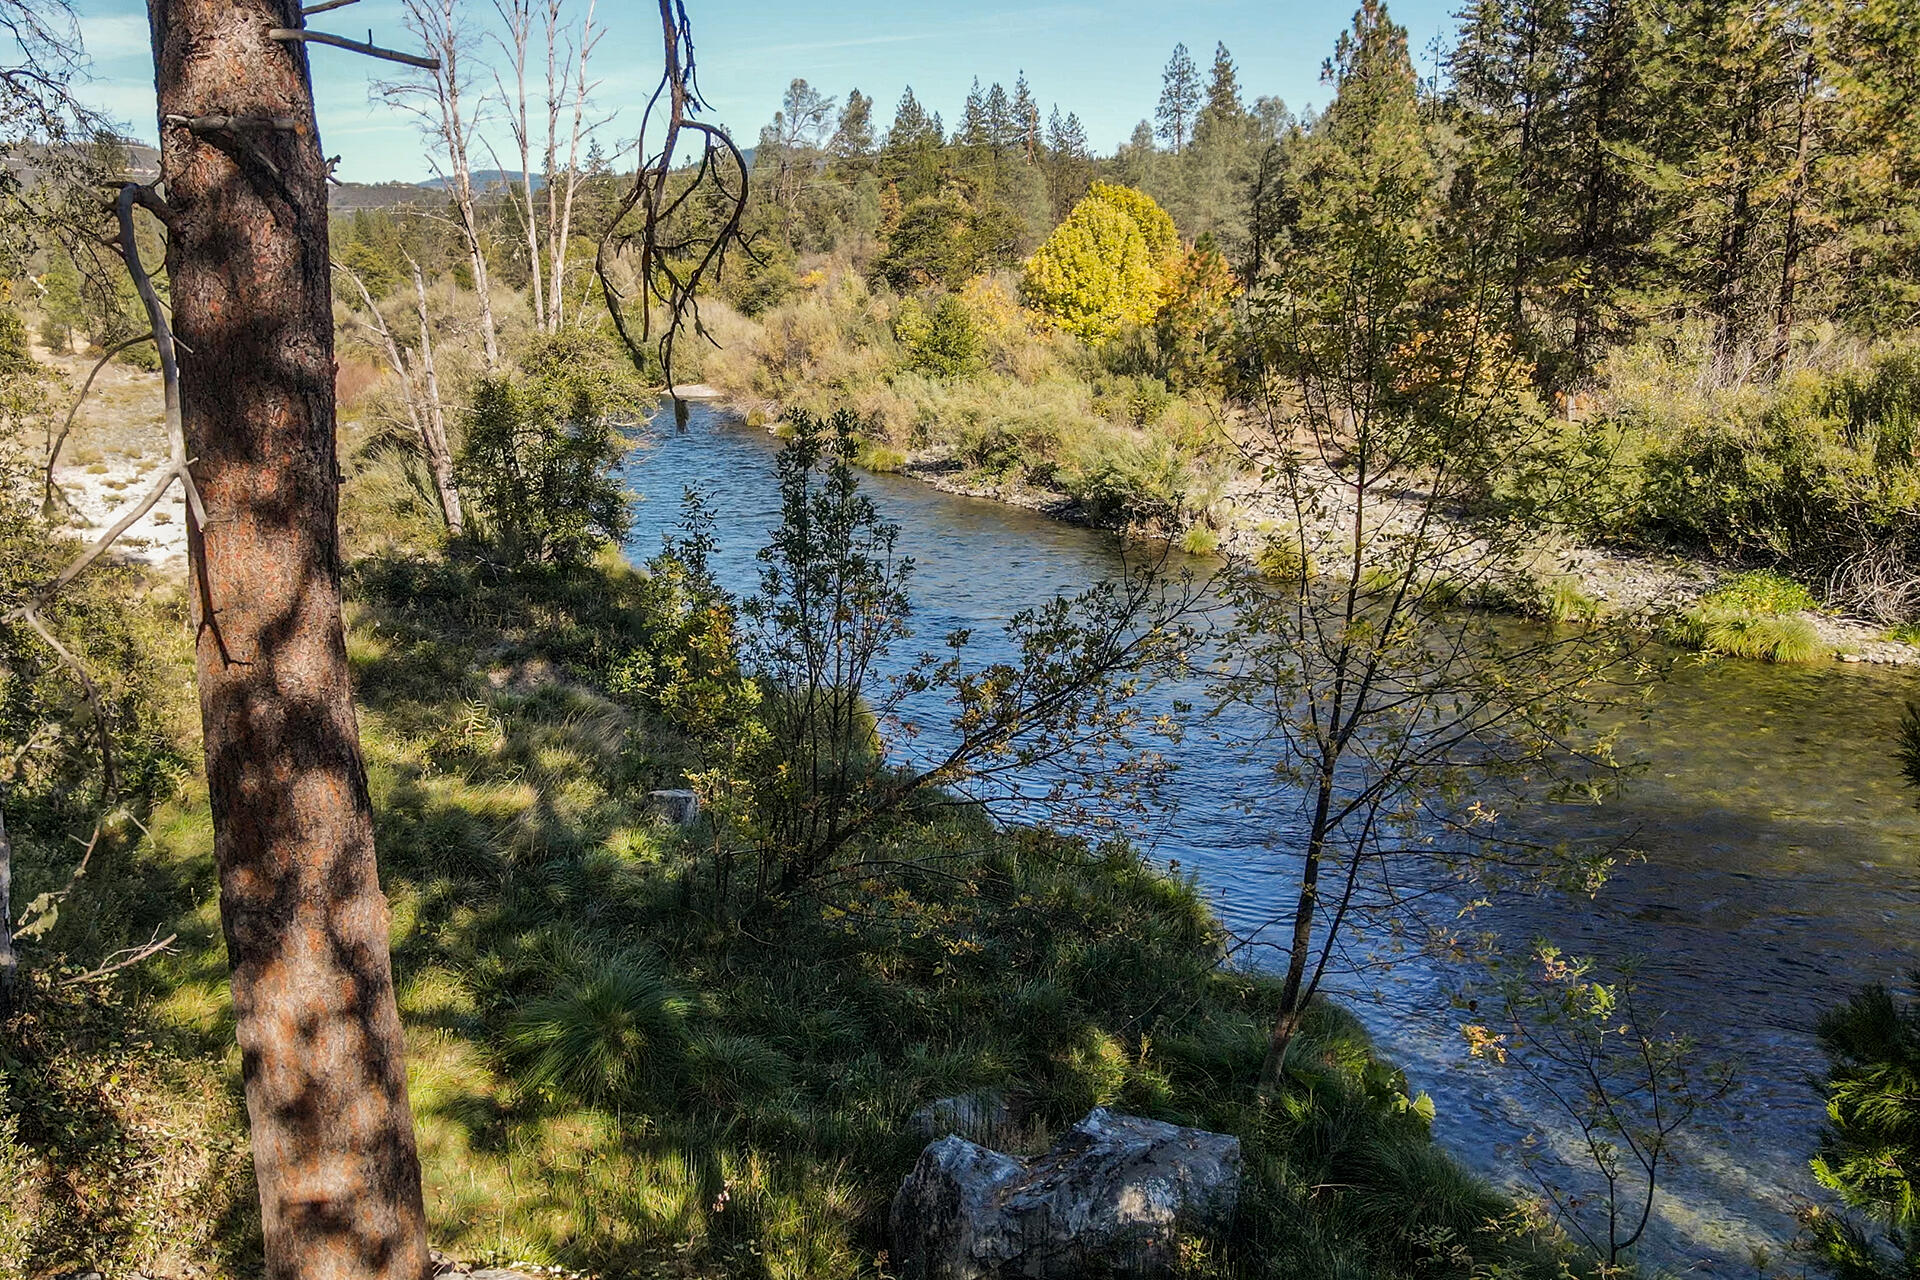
x=109, y=37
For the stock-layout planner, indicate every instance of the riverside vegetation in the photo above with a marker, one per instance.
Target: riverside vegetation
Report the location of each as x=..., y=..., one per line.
x=619, y=1061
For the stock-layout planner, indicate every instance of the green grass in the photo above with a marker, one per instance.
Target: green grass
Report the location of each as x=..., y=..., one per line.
x=608, y=1073
x=1562, y=602
x=1753, y=616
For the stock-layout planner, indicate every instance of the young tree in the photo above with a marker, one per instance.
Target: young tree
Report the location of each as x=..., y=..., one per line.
x=1179, y=99
x=419, y=390
x=1387, y=401
x=322, y=1052
x=1608, y=1064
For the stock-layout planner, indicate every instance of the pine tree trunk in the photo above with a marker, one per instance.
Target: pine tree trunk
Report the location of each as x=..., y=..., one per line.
x=322, y=1053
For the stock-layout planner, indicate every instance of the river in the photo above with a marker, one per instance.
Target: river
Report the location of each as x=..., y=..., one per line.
x=1780, y=847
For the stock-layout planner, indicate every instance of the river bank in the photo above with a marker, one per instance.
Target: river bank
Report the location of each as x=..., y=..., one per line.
x=1654, y=588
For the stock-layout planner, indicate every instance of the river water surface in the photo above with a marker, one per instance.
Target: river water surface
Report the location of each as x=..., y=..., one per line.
x=1780, y=869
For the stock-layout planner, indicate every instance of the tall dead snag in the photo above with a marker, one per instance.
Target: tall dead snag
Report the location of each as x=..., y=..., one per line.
x=300, y=901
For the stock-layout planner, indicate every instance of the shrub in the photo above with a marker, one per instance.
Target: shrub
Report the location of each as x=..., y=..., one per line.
x=1138, y=481
x=1870, y=1150
x=1761, y=591
x=1807, y=470
x=539, y=445
x=938, y=338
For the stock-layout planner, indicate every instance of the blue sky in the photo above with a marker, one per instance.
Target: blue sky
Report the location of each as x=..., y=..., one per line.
x=1102, y=61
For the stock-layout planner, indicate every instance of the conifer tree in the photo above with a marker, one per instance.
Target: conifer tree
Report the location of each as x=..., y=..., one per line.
x=913, y=159
x=1179, y=99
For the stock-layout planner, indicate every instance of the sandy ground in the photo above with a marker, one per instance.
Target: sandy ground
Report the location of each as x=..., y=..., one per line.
x=112, y=456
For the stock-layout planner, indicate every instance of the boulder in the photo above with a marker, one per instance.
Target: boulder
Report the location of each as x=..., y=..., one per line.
x=1109, y=1196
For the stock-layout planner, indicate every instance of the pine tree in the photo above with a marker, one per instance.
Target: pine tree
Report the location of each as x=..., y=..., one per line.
x=1069, y=163
x=913, y=158
x=852, y=142
x=1224, y=116
x=1179, y=99
x=1026, y=119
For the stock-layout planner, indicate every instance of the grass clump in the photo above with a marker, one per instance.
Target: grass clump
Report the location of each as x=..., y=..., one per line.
x=1561, y=602
x=1751, y=615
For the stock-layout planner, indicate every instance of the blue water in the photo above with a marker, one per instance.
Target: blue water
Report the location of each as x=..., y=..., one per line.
x=1781, y=847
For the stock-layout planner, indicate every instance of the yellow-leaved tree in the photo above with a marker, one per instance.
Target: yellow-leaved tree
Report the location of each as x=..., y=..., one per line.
x=1105, y=267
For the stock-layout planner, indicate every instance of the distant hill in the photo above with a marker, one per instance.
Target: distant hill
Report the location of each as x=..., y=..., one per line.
x=487, y=180
x=347, y=197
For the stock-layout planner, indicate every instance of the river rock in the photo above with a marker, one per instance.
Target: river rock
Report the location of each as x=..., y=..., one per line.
x=1108, y=1196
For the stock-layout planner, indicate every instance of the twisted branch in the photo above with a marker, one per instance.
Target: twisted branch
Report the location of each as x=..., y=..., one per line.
x=661, y=280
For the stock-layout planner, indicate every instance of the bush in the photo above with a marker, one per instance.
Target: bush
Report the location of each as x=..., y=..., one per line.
x=1870, y=1151
x=1808, y=470
x=1143, y=481
x=539, y=445
x=938, y=337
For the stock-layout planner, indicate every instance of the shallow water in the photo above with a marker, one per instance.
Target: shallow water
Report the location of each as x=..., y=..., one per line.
x=1781, y=847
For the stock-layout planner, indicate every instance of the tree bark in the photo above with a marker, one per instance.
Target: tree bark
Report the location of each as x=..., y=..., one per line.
x=300, y=902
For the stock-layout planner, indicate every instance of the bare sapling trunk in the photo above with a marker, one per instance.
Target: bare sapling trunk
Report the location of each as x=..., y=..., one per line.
x=433, y=418
x=420, y=396
x=561, y=193
x=9, y=964
x=322, y=1050
x=438, y=100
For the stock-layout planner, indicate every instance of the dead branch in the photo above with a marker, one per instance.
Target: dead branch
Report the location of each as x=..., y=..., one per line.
x=125, y=958
x=109, y=775
x=53, y=449
x=661, y=279
x=366, y=47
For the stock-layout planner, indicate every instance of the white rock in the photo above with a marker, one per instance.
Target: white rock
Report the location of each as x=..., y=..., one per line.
x=1110, y=1196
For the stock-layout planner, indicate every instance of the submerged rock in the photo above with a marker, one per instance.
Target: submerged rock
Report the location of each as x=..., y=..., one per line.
x=1109, y=1195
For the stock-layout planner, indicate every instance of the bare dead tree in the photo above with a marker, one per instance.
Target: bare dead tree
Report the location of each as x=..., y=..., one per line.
x=419, y=391
x=680, y=234
x=563, y=182
x=442, y=101
x=517, y=16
